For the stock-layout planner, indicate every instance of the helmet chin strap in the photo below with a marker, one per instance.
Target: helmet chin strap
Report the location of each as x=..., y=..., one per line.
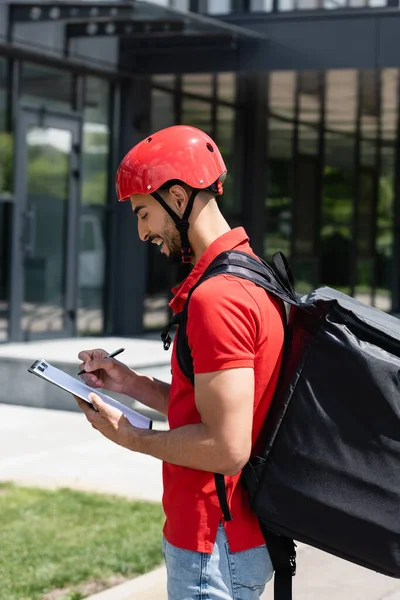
x=182, y=224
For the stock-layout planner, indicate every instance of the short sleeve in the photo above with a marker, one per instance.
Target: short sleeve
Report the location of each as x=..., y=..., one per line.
x=222, y=327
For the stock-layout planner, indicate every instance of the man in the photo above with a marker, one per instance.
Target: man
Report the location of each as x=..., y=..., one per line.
x=235, y=333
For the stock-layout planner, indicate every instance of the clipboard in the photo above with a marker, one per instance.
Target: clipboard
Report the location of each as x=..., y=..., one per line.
x=46, y=371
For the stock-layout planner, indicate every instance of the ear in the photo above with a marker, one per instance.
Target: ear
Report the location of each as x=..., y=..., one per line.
x=179, y=198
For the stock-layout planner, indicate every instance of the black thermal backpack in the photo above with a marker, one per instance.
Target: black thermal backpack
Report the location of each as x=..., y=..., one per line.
x=329, y=471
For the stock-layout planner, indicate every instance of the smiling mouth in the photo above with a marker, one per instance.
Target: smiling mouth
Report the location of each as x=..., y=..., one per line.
x=158, y=241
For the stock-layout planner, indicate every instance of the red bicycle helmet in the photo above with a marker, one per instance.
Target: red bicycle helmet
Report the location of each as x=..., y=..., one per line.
x=179, y=152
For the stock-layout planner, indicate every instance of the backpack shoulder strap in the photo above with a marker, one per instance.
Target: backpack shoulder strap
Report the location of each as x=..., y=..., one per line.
x=283, y=272
x=277, y=280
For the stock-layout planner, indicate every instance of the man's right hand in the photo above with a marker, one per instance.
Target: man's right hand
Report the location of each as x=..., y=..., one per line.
x=102, y=372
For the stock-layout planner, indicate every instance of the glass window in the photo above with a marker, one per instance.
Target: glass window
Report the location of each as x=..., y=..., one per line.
x=226, y=87
x=338, y=179
x=279, y=199
x=159, y=278
x=48, y=193
x=390, y=82
x=48, y=87
x=5, y=243
x=200, y=85
x=384, y=230
x=287, y=5
x=95, y=198
x=6, y=151
x=367, y=188
x=197, y=113
x=309, y=89
x=366, y=215
x=96, y=142
x=280, y=163
x=225, y=138
x=370, y=110
x=368, y=149
x=282, y=85
x=306, y=177
x=354, y=257
x=168, y=81
x=337, y=211
x=341, y=101
x=180, y=4
x=219, y=7
x=369, y=93
x=385, y=216
x=6, y=156
x=262, y=5
x=307, y=4
x=92, y=258
x=306, y=188
x=365, y=240
x=163, y=110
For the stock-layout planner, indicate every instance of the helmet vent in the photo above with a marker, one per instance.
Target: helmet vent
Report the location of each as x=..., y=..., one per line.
x=210, y=148
x=148, y=140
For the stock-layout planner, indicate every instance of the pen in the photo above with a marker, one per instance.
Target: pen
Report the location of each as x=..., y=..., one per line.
x=108, y=356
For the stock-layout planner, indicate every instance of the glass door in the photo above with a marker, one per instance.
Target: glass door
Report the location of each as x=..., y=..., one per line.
x=47, y=194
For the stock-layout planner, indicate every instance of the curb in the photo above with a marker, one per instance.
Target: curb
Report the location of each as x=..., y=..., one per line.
x=146, y=587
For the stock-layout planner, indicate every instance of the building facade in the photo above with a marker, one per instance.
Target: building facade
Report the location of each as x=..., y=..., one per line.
x=302, y=96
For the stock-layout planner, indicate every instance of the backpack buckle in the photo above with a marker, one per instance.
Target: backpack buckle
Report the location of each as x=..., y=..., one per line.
x=166, y=339
x=186, y=254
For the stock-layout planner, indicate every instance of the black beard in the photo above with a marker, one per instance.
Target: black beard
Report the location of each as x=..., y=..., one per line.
x=175, y=257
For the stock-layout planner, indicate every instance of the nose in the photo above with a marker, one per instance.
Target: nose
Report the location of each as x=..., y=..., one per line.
x=143, y=231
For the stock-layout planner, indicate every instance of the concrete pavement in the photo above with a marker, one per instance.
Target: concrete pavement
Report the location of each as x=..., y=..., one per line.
x=53, y=448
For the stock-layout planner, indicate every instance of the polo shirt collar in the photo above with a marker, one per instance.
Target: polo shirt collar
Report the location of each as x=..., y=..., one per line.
x=228, y=241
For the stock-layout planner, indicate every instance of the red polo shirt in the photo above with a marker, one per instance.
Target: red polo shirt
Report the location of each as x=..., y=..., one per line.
x=232, y=323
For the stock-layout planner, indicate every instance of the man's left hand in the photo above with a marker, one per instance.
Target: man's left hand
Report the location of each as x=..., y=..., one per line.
x=108, y=420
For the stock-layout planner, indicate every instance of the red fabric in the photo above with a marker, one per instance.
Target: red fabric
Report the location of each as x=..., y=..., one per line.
x=232, y=323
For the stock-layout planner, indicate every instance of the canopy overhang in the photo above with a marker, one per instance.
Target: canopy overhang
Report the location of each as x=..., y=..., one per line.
x=144, y=33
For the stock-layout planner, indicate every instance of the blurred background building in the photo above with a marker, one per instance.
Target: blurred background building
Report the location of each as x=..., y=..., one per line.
x=301, y=95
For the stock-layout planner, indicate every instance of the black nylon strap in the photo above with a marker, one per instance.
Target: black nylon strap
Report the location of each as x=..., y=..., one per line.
x=189, y=205
x=222, y=498
x=282, y=585
x=283, y=271
x=176, y=219
x=282, y=551
x=182, y=224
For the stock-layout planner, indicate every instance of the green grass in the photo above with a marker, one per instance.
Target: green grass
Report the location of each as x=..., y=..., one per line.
x=73, y=541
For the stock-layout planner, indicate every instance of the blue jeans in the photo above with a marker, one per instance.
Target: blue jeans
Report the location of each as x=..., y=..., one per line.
x=222, y=575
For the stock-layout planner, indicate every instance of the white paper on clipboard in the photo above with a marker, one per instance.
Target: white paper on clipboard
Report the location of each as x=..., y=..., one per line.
x=46, y=371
